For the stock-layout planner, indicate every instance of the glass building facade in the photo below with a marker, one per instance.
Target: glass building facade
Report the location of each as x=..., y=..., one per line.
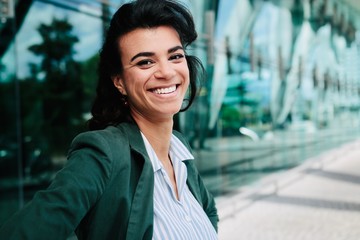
x=283, y=86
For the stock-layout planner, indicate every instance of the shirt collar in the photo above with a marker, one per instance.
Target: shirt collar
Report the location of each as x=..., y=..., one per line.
x=177, y=152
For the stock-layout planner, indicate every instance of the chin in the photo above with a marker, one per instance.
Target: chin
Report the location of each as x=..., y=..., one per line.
x=172, y=113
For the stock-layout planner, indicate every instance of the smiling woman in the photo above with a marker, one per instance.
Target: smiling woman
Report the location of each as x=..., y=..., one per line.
x=131, y=176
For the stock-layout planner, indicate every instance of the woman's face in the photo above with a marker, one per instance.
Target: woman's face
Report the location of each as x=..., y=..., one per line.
x=155, y=76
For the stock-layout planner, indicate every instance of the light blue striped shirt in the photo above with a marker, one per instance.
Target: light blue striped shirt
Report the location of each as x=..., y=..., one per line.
x=176, y=219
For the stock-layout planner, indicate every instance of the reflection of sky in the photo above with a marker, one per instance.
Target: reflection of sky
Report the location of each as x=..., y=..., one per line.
x=225, y=8
x=88, y=29
x=262, y=29
x=256, y=88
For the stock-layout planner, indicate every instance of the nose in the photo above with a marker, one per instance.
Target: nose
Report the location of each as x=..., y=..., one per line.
x=165, y=70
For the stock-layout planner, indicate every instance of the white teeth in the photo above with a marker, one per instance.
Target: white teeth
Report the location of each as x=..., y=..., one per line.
x=165, y=90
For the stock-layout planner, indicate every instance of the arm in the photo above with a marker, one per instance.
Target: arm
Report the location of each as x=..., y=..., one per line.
x=56, y=212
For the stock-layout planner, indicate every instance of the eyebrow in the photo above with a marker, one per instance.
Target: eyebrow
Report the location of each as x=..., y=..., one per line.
x=149, y=54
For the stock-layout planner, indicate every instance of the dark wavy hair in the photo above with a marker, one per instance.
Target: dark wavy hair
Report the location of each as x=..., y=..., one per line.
x=108, y=108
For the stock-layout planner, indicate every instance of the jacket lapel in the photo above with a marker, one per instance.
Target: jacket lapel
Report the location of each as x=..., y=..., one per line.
x=140, y=224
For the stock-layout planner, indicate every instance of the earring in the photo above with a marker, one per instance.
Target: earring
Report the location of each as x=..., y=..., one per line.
x=124, y=100
x=123, y=96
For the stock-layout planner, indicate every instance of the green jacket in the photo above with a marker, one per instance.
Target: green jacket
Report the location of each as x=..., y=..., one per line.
x=105, y=191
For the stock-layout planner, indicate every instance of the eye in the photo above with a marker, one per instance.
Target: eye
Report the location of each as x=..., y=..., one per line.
x=145, y=63
x=176, y=56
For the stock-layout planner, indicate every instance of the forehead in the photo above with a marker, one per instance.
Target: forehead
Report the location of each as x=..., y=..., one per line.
x=149, y=39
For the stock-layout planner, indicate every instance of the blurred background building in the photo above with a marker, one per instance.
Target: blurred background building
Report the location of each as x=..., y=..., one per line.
x=283, y=85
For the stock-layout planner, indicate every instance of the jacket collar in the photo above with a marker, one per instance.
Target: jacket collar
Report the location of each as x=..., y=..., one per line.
x=134, y=136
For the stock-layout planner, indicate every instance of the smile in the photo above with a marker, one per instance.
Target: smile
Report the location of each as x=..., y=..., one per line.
x=164, y=90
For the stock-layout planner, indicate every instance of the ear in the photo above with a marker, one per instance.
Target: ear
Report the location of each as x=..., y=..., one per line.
x=119, y=84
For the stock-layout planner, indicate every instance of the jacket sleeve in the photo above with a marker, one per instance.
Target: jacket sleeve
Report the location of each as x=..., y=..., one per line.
x=208, y=203
x=55, y=213
x=200, y=192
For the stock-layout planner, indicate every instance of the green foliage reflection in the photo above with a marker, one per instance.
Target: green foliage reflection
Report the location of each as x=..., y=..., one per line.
x=56, y=86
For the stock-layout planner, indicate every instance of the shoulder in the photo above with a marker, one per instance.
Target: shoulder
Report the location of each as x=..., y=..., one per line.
x=107, y=136
x=102, y=142
x=105, y=150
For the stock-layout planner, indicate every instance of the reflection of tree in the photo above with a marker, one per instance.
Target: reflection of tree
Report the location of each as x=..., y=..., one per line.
x=89, y=80
x=241, y=109
x=61, y=91
x=8, y=108
x=8, y=111
x=230, y=117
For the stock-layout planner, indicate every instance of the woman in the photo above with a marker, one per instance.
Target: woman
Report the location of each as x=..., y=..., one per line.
x=131, y=176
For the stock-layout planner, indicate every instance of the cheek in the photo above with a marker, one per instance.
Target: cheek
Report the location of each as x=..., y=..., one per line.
x=135, y=82
x=186, y=75
x=184, y=71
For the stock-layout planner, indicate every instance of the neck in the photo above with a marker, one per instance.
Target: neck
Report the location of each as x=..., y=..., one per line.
x=158, y=134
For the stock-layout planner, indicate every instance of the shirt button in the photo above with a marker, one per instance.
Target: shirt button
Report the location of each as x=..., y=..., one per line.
x=187, y=218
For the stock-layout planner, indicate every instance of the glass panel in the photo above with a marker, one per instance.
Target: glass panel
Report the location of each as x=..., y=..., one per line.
x=57, y=83
x=49, y=73
x=283, y=82
x=11, y=188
